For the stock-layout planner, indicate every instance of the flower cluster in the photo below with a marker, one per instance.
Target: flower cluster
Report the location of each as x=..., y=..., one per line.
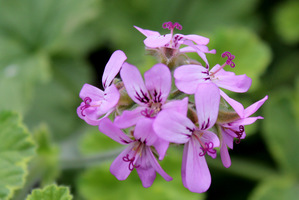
x=150, y=113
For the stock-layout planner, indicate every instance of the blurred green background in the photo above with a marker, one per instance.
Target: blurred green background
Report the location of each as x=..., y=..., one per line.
x=50, y=48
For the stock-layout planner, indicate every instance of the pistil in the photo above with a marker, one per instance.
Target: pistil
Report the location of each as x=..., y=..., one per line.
x=229, y=62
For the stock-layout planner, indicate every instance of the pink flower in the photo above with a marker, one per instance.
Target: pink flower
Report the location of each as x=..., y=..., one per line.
x=137, y=155
x=96, y=103
x=195, y=43
x=188, y=77
x=235, y=128
x=177, y=128
x=151, y=98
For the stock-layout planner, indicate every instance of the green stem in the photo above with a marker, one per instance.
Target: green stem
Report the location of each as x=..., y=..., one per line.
x=86, y=161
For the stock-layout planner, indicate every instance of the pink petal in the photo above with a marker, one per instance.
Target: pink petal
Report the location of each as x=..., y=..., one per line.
x=92, y=92
x=228, y=139
x=156, y=165
x=188, y=77
x=238, y=107
x=254, y=107
x=173, y=127
x=146, y=32
x=147, y=175
x=225, y=158
x=180, y=106
x=201, y=48
x=207, y=99
x=111, y=97
x=134, y=84
x=197, y=39
x=112, y=67
x=195, y=172
x=161, y=147
x=144, y=131
x=129, y=117
x=99, y=103
x=198, y=51
x=109, y=129
x=155, y=41
x=119, y=168
x=207, y=137
x=158, y=82
x=245, y=121
x=230, y=81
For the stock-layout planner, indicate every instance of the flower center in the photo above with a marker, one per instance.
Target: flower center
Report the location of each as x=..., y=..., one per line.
x=174, y=40
x=137, y=150
x=205, y=146
x=229, y=62
x=87, y=101
x=152, y=111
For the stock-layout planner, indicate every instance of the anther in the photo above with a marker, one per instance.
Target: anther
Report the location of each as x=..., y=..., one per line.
x=208, y=147
x=86, y=101
x=239, y=134
x=230, y=57
x=171, y=26
x=130, y=160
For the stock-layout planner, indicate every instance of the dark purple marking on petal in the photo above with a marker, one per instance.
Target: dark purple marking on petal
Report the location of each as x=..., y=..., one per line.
x=124, y=141
x=157, y=97
x=190, y=129
x=239, y=134
x=205, y=125
x=208, y=147
x=130, y=161
x=86, y=101
x=230, y=57
x=104, y=83
x=147, y=113
x=144, y=98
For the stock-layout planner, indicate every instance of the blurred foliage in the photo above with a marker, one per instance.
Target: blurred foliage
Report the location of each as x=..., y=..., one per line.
x=51, y=192
x=16, y=149
x=50, y=48
x=96, y=183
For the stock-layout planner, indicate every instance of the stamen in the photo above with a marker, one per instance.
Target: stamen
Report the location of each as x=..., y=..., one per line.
x=130, y=160
x=208, y=147
x=229, y=62
x=171, y=26
x=230, y=57
x=87, y=101
x=239, y=134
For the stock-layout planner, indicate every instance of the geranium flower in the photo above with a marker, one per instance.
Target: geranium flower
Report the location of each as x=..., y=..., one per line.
x=177, y=128
x=151, y=98
x=235, y=128
x=96, y=103
x=137, y=155
x=188, y=77
x=169, y=44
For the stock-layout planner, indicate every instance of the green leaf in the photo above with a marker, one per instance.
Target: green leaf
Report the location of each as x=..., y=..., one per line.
x=46, y=160
x=58, y=99
x=98, y=183
x=276, y=188
x=17, y=81
x=16, y=150
x=252, y=55
x=286, y=17
x=51, y=192
x=281, y=131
